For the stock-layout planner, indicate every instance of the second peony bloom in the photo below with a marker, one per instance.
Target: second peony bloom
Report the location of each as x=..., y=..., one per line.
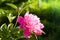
x=30, y=23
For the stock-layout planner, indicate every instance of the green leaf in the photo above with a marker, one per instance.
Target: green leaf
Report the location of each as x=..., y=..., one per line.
x=11, y=5
x=11, y=17
x=10, y=26
x=4, y=26
x=4, y=32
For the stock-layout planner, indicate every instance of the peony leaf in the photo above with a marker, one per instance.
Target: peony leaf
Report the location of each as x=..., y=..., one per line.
x=11, y=17
x=11, y=5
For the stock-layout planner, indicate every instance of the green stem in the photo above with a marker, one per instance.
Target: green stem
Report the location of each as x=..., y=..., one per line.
x=18, y=15
x=36, y=37
x=15, y=24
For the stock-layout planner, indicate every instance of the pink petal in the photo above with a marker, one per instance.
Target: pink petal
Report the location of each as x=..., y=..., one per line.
x=38, y=32
x=27, y=13
x=26, y=33
x=41, y=26
x=20, y=19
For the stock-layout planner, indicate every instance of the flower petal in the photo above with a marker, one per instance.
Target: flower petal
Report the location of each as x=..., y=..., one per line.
x=27, y=13
x=26, y=33
x=38, y=32
x=41, y=26
x=20, y=19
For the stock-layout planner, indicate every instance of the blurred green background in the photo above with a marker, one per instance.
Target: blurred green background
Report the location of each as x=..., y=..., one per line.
x=47, y=10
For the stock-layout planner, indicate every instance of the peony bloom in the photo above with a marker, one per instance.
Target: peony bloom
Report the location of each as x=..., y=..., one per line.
x=30, y=23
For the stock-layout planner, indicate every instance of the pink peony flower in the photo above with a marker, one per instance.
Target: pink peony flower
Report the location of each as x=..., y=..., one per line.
x=30, y=23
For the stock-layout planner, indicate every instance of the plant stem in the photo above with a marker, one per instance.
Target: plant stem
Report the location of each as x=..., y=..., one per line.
x=19, y=12
x=36, y=37
x=17, y=16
